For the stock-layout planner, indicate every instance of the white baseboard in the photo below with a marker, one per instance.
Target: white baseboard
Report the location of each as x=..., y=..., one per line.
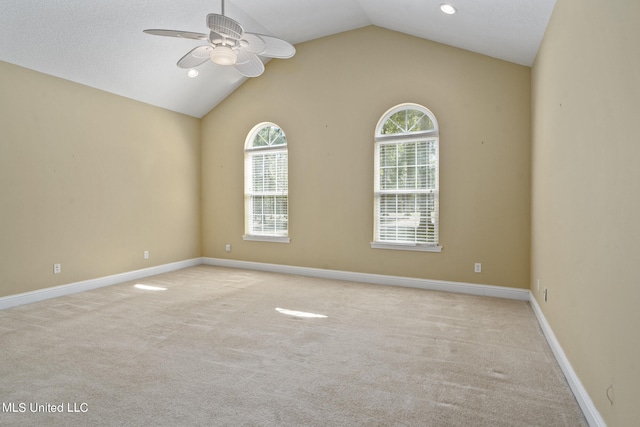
x=85, y=285
x=378, y=279
x=437, y=285
x=586, y=404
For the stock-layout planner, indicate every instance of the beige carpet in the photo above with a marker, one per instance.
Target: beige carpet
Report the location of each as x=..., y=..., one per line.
x=213, y=350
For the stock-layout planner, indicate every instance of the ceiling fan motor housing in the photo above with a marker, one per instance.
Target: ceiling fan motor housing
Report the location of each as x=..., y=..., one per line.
x=224, y=26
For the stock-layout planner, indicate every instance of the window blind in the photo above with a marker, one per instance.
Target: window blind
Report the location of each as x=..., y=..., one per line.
x=267, y=192
x=406, y=191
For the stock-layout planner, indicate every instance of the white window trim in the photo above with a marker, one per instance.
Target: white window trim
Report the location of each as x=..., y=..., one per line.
x=413, y=135
x=421, y=247
x=248, y=149
x=260, y=238
x=378, y=138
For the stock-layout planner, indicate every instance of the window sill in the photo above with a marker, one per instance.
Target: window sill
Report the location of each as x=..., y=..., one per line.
x=406, y=247
x=272, y=239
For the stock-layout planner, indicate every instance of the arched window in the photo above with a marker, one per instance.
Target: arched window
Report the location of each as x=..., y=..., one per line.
x=406, y=180
x=266, y=184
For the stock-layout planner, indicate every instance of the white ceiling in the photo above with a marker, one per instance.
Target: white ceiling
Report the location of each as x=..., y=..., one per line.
x=100, y=43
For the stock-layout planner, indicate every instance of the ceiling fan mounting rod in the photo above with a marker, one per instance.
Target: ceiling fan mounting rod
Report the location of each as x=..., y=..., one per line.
x=222, y=7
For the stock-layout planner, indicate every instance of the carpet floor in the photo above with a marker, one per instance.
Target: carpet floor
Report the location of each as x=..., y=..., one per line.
x=213, y=346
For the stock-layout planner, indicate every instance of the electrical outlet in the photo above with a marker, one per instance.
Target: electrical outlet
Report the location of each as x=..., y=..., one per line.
x=227, y=247
x=477, y=267
x=57, y=268
x=146, y=254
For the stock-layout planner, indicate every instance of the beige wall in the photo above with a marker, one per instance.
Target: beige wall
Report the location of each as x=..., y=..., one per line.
x=586, y=195
x=90, y=180
x=328, y=99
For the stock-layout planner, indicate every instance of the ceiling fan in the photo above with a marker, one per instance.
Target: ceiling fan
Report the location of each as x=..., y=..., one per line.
x=229, y=44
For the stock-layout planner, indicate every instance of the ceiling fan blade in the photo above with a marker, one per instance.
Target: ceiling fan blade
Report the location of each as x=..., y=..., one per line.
x=272, y=47
x=195, y=57
x=243, y=56
x=224, y=26
x=248, y=64
x=178, y=34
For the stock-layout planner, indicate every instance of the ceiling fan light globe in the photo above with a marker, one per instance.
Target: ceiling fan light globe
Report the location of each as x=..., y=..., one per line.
x=223, y=55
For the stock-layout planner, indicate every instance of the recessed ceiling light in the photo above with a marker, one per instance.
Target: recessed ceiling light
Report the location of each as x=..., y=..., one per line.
x=448, y=9
x=192, y=73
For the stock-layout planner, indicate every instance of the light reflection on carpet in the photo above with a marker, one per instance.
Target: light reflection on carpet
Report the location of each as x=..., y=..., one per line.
x=300, y=313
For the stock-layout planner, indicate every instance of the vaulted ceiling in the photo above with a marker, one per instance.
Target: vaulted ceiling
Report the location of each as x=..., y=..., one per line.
x=100, y=43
